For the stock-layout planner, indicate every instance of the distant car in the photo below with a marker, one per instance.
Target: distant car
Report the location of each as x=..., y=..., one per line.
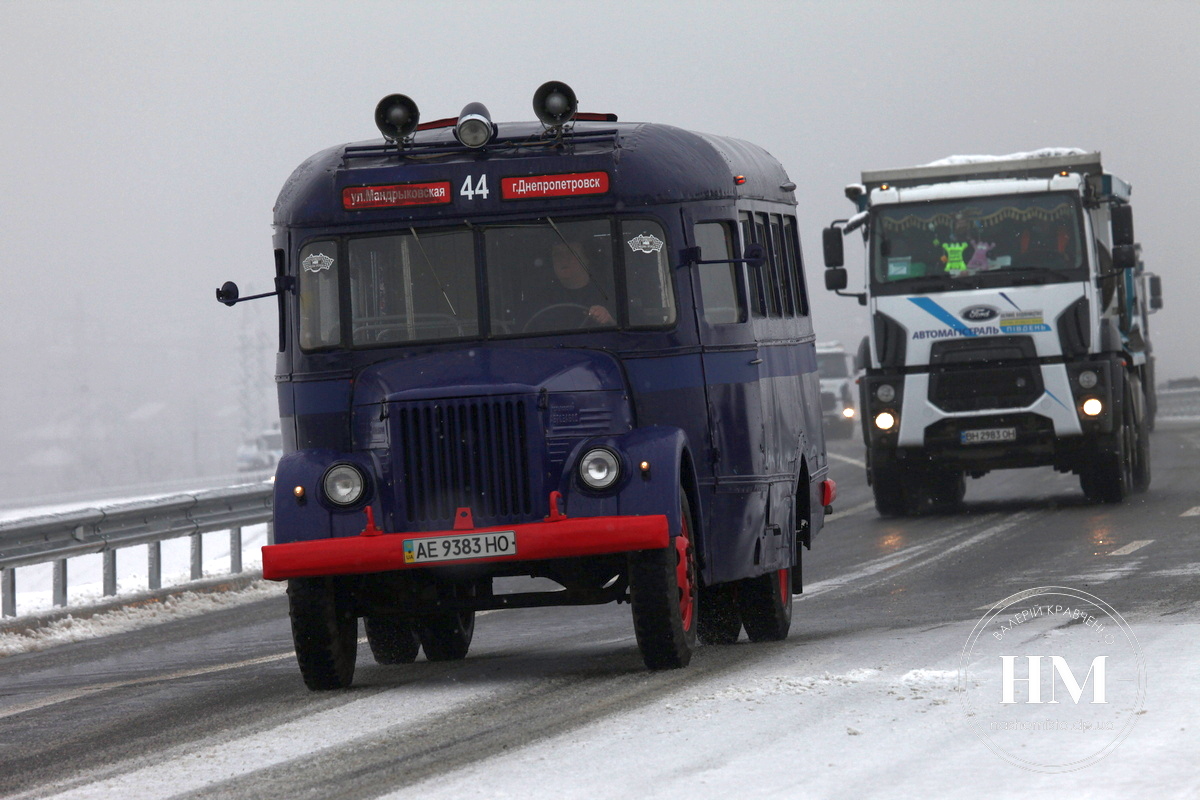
x=261, y=452
x=839, y=408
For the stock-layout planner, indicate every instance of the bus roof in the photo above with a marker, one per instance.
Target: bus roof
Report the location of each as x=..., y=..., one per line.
x=646, y=164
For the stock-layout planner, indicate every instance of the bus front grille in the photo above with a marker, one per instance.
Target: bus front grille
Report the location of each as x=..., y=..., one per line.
x=471, y=453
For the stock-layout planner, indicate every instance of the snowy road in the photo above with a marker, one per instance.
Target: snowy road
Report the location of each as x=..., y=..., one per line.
x=861, y=701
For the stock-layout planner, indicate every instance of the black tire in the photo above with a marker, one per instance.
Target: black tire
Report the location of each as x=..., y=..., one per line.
x=891, y=492
x=718, y=621
x=325, y=632
x=664, y=596
x=447, y=637
x=1140, y=470
x=1108, y=475
x=947, y=489
x=765, y=605
x=393, y=639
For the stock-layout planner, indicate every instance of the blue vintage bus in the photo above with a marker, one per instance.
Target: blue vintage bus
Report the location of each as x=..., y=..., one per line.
x=572, y=349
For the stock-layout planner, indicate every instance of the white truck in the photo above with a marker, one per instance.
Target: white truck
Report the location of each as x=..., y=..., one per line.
x=839, y=396
x=1009, y=325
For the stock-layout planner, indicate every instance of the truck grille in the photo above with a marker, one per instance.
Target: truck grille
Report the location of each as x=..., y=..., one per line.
x=471, y=453
x=828, y=401
x=984, y=373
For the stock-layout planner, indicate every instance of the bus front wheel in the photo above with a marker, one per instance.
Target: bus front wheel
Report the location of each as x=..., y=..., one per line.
x=325, y=632
x=664, y=596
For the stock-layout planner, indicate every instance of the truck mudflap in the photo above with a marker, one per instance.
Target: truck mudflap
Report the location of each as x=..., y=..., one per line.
x=374, y=550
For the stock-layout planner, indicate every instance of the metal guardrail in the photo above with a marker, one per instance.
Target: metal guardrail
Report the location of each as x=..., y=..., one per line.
x=57, y=537
x=1179, y=403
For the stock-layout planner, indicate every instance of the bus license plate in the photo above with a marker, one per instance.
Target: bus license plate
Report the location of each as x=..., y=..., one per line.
x=988, y=435
x=459, y=548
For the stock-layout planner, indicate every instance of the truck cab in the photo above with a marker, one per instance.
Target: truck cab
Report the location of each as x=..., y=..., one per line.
x=1008, y=325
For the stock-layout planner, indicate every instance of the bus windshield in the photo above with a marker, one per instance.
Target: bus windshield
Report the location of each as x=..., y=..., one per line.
x=543, y=276
x=976, y=242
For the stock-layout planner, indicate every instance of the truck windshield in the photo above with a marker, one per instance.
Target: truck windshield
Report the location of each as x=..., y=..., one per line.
x=976, y=242
x=542, y=276
x=832, y=365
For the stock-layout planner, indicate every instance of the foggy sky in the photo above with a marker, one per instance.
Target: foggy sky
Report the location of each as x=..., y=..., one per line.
x=142, y=146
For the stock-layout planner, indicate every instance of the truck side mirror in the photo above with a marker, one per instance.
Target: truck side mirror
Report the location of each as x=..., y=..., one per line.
x=755, y=255
x=1122, y=225
x=228, y=293
x=1124, y=256
x=1155, y=293
x=835, y=279
x=831, y=238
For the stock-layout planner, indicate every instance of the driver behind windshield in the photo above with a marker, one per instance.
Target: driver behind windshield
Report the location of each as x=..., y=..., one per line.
x=574, y=299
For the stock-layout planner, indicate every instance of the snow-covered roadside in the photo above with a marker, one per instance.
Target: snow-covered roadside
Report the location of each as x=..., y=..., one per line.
x=85, y=588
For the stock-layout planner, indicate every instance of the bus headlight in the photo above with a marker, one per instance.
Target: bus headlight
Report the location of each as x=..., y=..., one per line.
x=885, y=393
x=885, y=420
x=1093, y=407
x=344, y=484
x=599, y=468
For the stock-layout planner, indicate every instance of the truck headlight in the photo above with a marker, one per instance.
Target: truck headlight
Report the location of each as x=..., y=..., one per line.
x=848, y=412
x=1088, y=379
x=1093, y=407
x=344, y=484
x=885, y=420
x=599, y=468
x=885, y=393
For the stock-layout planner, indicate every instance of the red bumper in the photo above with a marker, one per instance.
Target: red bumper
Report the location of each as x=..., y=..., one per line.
x=372, y=551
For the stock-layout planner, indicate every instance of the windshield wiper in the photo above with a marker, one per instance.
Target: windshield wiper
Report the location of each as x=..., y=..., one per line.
x=433, y=270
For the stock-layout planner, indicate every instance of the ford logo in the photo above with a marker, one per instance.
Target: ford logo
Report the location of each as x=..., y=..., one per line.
x=980, y=313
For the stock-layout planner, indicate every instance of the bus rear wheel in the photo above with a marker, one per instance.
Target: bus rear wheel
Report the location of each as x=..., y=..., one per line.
x=325, y=632
x=718, y=621
x=765, y=605
x=664, y=595
x=393, y=639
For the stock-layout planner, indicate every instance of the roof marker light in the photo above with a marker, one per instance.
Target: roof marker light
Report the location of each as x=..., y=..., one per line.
x=475, y=127
x=739, y=179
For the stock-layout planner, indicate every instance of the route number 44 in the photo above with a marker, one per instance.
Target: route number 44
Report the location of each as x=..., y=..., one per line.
x=469, y=191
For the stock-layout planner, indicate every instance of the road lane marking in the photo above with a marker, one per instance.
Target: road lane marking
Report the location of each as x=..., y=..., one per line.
x=1194, y=511
x=847, y=459
x=1137, y=544
x=910, y=558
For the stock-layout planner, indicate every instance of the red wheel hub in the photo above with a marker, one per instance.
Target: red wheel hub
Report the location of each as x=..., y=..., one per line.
x=685, y=576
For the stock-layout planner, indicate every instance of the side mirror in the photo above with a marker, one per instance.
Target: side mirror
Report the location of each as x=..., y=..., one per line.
x=835, y=279
x=228, y=293
x=1122, y=225
x=755, y=255
x=831, y=238
x=1155, y=293
x=1124, y=256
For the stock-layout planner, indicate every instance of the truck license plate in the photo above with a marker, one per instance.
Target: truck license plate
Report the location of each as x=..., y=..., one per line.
x=988, y=435
x=460, y=548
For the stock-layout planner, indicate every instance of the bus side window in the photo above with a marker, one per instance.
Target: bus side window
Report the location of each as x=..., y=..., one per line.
x=718, y=282
x=320, y=305
x=771, y=268
x=651, y=296
x=758, y=305
x=783, y=267
x=791, y=243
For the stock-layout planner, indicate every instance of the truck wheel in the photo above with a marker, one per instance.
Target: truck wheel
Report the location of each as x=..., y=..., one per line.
x=718, y=621
x=947, y=489
x=765, y=604
x=890, y=489
x=1108, y=476
x=325, y=632
x=664, y=595
x=393, y=639
x=1140, y=478
x=447, y=637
